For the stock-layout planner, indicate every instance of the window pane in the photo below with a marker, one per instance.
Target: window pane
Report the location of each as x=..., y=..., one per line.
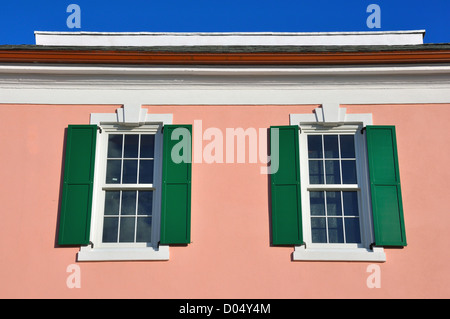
x=330, y=143
x=349, y=172
x=131, y=146
x=315, y=146
x=113, y=171
x=335, y=230
x=352, y=232
x=128, y=203
x=316, y=172
x=129, y=172
x=110, y=229
x=333, y=174
x=145, y=202
x=147, y=146
x=144, y=229
x=350, y=203
x=347, y=146
x=115, y=146
x=127, y=229
x=146, y=172
x=317, y=203
x=112, y=200
x=334, y=207
x=318, y=230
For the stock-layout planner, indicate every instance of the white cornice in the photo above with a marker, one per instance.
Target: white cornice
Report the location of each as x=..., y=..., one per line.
x=148, y=39
x=253, y=71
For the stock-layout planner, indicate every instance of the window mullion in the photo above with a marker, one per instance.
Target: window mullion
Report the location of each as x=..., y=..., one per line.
x=342, y=215
x=326, y=216
x=135, y=215
x=323, y=160
x=120, y=214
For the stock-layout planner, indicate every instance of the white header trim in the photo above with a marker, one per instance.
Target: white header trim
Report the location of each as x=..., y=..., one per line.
x=148, y=39
x=131, y=114
x=330, y=114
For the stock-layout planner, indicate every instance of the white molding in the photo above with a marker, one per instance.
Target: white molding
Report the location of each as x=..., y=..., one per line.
x=228, y=70
x=87, y=253
x=149, y=39
x=89, y=85
x=330, y=114
x=131, y=114
x=310, y=254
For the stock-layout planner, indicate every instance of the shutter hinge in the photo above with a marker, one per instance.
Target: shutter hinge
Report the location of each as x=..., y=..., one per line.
x=363, y=129
x=372, y=245
x=100, y=129
x=92, y=244
x=162, y=129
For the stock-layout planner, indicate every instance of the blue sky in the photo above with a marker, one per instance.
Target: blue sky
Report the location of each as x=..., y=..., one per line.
x=19, y=19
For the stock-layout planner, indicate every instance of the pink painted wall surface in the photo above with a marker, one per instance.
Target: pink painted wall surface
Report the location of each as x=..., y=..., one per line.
x=230, y=255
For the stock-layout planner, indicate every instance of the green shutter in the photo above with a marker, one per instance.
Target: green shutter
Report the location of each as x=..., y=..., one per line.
x=76, y=204
x=285, y=186
x=385, y=186
x=176, y=185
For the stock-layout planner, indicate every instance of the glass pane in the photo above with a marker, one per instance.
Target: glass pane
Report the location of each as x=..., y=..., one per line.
x=317, y=203
x=113, y=171
x=330, y=143
x=115, y=146
x=128, y=203
x=129, y=172
x=349, y=172
x=335, y=230
x=145, y=202
x=350, y=203
x=144, y=229
x=112, y=200
x=126, y=229
x=352, y=232
x=110, y=228
x=334, y=207
x=318, y=230
x=316, y=172
x=347, y=146
x=147, y=146
x=315, y=146
x=333, y=174
x=146, y=172
x=131, y=146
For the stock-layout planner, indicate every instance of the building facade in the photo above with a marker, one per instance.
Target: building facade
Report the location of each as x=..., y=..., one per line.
x=225, y=166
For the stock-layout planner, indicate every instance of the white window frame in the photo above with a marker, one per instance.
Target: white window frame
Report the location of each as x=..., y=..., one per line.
x=331, y=119
x=131, y=119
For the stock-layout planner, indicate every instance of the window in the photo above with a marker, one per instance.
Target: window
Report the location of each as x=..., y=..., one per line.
x=334, y=187
x=129, y=187
x=124, y=196
x=336, y=194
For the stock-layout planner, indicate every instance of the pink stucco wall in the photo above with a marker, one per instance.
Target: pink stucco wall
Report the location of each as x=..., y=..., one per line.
x=230, y=255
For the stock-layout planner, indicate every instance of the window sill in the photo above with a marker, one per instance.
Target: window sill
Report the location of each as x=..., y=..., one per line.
x=87, y=253
x=301, y=253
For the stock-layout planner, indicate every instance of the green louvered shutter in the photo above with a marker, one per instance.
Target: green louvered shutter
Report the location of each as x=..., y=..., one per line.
x=176, y=185
x=385, y=187
x=285, y=186
x=76, y=204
